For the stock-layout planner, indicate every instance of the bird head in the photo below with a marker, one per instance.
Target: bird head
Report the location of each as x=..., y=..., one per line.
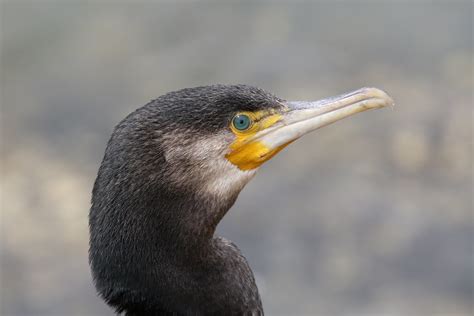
x=200, y=146
x=214, y=138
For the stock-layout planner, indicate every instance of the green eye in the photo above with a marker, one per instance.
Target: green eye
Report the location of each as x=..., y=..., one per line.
x=241, y=122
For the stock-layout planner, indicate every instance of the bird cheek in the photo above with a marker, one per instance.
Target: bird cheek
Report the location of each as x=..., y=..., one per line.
x=252, y=155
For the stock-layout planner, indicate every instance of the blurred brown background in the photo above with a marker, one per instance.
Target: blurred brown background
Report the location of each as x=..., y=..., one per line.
x=370, y=216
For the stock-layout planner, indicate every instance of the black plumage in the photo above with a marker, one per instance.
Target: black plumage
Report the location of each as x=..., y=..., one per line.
x=171, y=171
x=152, y=248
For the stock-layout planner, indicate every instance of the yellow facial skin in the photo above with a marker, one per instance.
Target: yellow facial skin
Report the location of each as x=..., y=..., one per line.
x=264, y=139
x=248, y=154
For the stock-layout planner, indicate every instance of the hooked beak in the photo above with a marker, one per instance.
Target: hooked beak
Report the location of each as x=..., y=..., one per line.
x=299, y=118
x=303, y=117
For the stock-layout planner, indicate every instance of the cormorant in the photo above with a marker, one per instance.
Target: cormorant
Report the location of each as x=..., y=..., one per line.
x=171, y=171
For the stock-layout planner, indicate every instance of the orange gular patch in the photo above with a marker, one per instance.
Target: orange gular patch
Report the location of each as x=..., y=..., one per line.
x=248, y=154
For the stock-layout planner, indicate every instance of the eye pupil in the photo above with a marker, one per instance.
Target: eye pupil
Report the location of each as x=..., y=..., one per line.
x=241, y=122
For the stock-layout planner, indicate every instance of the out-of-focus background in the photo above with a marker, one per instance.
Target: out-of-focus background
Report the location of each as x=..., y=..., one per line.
x=370, y=216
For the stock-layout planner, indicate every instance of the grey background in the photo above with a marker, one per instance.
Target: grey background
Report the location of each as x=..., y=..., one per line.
x=370, y=216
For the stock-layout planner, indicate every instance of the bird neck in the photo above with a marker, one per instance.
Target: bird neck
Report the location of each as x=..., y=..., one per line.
x=151, y=254
x=173, y=222
x=186, y=220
